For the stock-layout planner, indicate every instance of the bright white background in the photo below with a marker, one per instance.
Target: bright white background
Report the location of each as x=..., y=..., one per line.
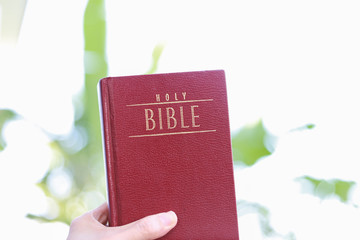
x=287, y=62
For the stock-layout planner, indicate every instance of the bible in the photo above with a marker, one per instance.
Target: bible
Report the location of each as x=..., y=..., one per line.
x=167, y=146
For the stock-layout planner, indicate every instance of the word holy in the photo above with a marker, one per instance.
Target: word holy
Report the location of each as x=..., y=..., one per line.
x=167, y=97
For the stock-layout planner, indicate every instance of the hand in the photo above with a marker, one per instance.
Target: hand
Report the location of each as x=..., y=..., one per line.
x=92, y=226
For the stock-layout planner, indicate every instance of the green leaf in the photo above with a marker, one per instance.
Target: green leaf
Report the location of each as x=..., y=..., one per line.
x=264, y=217
x=5, y=116
x=308, y=126
x=40, y=219
x=342, y=189
x=326, y=188
x=249, y=144
x=155, y=58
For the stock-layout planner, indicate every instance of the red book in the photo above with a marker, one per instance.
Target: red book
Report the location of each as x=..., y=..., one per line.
x=167, y=147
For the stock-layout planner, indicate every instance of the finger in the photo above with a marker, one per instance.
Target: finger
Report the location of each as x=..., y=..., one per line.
x=101, y=213
x=150, y=227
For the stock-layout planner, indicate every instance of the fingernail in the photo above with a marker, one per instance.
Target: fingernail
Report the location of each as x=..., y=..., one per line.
x=168, y=218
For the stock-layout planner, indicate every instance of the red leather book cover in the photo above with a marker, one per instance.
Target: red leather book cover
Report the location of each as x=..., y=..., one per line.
x=167, y=147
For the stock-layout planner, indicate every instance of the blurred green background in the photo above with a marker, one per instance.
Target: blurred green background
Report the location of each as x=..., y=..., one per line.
x=265, y=160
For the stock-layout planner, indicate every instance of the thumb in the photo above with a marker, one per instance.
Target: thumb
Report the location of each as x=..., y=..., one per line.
x=101, y=213
x=150, y=227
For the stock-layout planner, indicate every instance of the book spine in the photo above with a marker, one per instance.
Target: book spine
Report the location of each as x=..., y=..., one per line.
x=105, y=111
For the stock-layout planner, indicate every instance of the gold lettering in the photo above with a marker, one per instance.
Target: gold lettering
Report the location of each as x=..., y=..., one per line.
x=167, y=97
x=193, y=116
x=184, y=94
x=160, y=119
x=176, y=97
x=149, y=119
x=182, y=118
x=157, y=97
x=168, y=118
x=155, y=120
